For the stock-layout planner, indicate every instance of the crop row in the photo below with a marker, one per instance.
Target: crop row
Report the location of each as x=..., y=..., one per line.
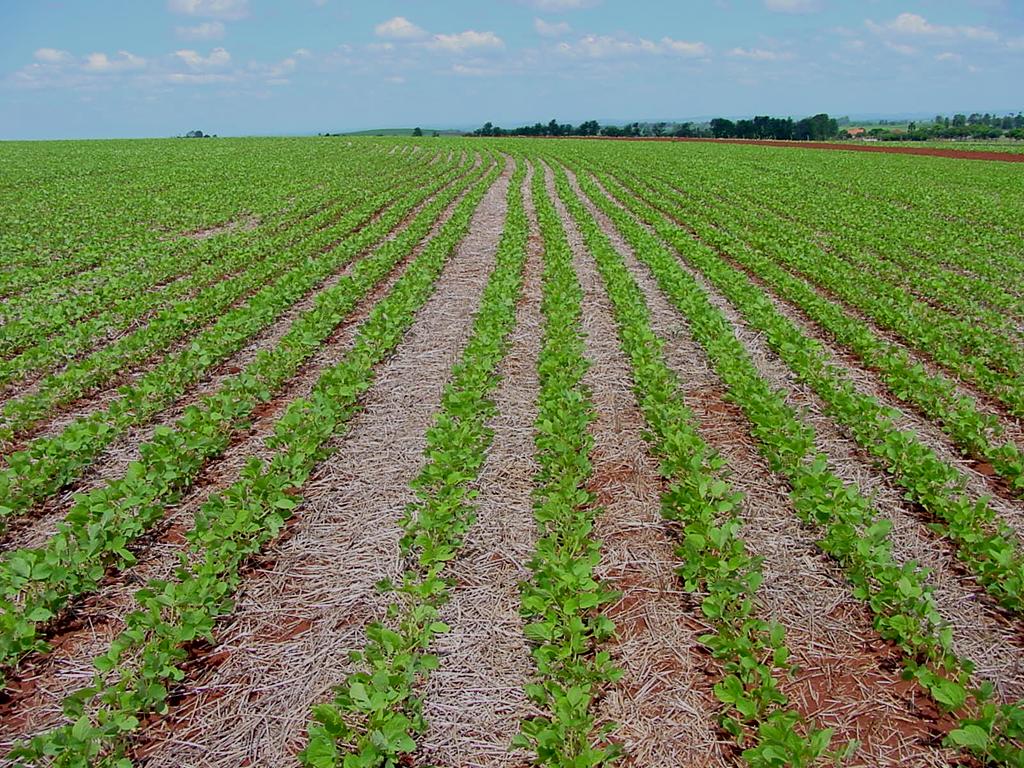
x=561, y=602
x=96, y=534
x=77, y=230
x=714, y=561
x=897, y=594
x=988, y=359
x=975, y=433
x=957, y=216
x=941, y=254
x=894, y=255
x=376, y=715
x=234, y=525
x=31, y=319
x=984, y=542
x=213, y=261
x=47, y=464
x=169, y=325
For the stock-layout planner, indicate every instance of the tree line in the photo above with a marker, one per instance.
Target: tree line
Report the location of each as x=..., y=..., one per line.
x=814, y=128
x=820, y=127
x=959, y=126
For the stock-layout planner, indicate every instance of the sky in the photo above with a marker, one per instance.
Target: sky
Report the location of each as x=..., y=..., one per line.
x=122, y=68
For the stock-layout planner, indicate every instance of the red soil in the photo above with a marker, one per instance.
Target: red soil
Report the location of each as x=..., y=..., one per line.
x=961, y=154
x=850, y=146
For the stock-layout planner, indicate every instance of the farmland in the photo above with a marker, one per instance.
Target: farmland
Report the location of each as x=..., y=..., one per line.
x=470, y=452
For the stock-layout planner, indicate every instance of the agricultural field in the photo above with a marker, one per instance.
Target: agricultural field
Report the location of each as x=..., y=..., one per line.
x=469, y=452
x=1012, y=146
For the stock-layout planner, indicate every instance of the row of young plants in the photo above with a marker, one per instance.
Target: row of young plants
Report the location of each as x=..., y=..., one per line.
x=82, y=376
x=562, y=602
x=988, y=359
x=114, y=241
x=60, y=278
x=31, y=320
x=965, y=212
x=96, y=536
x=845, y=214
x=911, y=254
x=983, y=541
x=893, y=255
x=959, y=232
x=171, y=325
x=32, y=317
x=134, y=674
x=376, y=716
x=49, y=463
x=51, y=311
x=975, y=433
x=77, y=209
x=716, y=565
x=211, y=261
x=897, y=594
x=964, y=296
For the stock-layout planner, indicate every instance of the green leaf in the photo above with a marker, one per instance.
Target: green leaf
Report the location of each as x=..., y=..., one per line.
x=970, y=736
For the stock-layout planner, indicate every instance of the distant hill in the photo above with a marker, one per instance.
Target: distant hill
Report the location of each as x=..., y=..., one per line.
x=402, y=132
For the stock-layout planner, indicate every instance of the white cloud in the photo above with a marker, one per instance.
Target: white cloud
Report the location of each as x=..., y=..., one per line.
x=551, y=29
x=901, y=48
x=683, y=47
x=953, y=58
x=230, y=10
x=302, y=53
x=792, y=6
x=283, y=67
x=470, y=40
x=399, y=28
x=915, y=25
x=207, y=30
x=196, y=78
x=51, y=56
x=760, y=54
x=608, y=46
x=101, y=63
x=558, y=6
x=217, y=59
x=470, y=71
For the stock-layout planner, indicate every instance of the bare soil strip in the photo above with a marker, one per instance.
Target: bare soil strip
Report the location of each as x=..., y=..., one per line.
x=35, y=690
x=475, y=699
x=33, y=530
x=306, y=605
x=663, y=708
x=245, y=223
x=847, y=678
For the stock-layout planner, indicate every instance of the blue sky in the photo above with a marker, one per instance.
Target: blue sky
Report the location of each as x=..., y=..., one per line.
x=100, y=68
